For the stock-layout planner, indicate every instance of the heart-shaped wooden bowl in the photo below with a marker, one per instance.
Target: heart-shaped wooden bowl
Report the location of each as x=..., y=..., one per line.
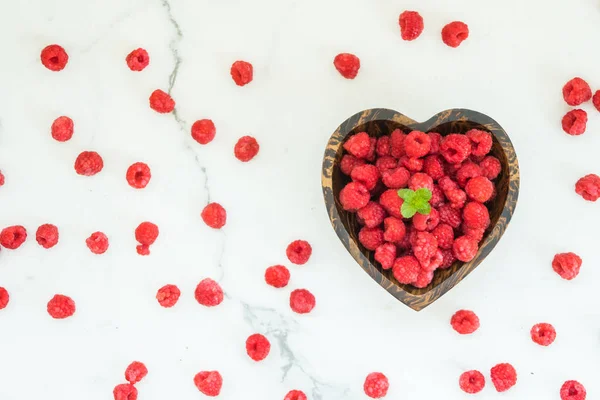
x=379, y=121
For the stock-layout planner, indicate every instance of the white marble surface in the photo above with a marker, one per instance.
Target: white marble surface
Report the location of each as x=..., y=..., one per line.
x=512, y=67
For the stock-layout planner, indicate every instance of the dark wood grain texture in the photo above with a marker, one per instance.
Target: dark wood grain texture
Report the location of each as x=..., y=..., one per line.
x=379, y=121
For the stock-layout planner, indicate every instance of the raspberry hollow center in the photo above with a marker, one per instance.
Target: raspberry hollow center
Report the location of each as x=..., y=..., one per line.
x=54, y=60
x=573, y=391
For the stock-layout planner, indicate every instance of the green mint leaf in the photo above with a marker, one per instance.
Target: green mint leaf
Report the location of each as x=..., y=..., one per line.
x=406, y=194
x=419, y=203
x=407, y=210
x=423, y=193
x=425, y=209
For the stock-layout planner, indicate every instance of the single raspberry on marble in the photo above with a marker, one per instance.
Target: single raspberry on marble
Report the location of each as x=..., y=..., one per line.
x=588, y=187
x=596, y=100
x=97, y=243
x=417, y=144
x=54, y=57
x=376, y=385
x=423, y=279
x=354, y=196
x=479, y=189
x=62, y=129
x=242, y=72
x=543, y=334
x=208, y=293
x=13, y=237
x=481, y=142
x=385, y=255
x=125, y=391
x=371, y=238
x=47, y=235
x=209, y=382
x=467, y=171
x=465, y=248
x=455, y=33
x=433, y=166
x=450, y=216
x=572, y=390
x=575, y=122
x=448, y=258
x=396, y=178
x=302, y=301
x=504, y=376
x=406, y=269
x=60, y=306
x=257, y=347
x=298, y=252
x=214, y=215
x=367, y=174
x=138, y=175
x=471, y=382
x=567, y=265
x=372, y=214
x=246, y=148
x=135, y=372
x=358, y=145
x=203, y=131
x=490, y=167
x=464, y=322
x=444, y=235
x=349, y=162
x=137, y=60
x=277, y=276
x=474, y=233
x=4, y=298
x=576, y=91
x=161, y=102
x=88, y=163
x=476, y=215
x=146, y=233
x=1, y=179
x=455, y=148
x=383, y=147
x=428, y=222
x=436, y=139
x=411, y=25
x=397, y=143
x=394, y=229
x=411, y=164
x=420, y=180
x=347, y=65
x=295, y=395
x=385, y=163
x=168, y=295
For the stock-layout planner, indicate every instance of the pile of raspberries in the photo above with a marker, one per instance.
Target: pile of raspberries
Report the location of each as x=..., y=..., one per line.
x=458, y=172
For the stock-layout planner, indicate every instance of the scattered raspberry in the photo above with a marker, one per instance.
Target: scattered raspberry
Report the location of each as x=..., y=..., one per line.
x=596, y=100
x=394, y=230
x=504, y=377
x=4, y=298
x=383, y=147
x=257, y=347
x=366, y=174
x=588, y=187
x=161, y=102
x=358, y=145
x=13, y=237
x=417, y=144
x=242, y=72
x=209, y=293
x=437, y=196
x=125, y=391
x=371, y=238
x=467, y=171
x=203, y=131
x=455, y=148
x=411, y=25
x=209, y=382
x=574, y=122
x=433, y=166
x=168, y=295
x=246, y=148
x=490, y=167
x=295, y=395
x=448, y=258
x=436, y=139
x=406, y=269
x=454, y=33
x=88, y=163
x=61, y=306
x=397, y=143
x=420, y=180
x=355, y=196
x=47, y=235
x=474, y=233
x=572, y=390
x=465, y=248
x=62, y=129
x=465, y=322
x=298, y=252
x=347, y=65
x=372, y=214
x=444, y=235
x=138, y=59
x=567, y=265
x=54, y=57
x=214, y=215
x=97, y=243
x=138, y=175
x=376, y=385
x=143, y=249
x=479, y=189
x=349, y=162
x=277, y=276
x=386, y=255
x=385, y=163
x=450, y=216
x=427, y=222
x=1, y=179
x=412, y=164
x=543, y=334
x=396, y=178
x=476, y=215
x=576, y=91
x=481, y=142
x=456, y=197
x=302, y=301
x=135, y=372
x=146, y=233
x=471, y=381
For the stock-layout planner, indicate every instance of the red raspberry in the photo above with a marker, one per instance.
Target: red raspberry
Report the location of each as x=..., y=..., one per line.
x=433, y=263
x=209, y=293
x=295, y=395
x=137, y=60
x=376, y=385
x=596, y=100
x=394, y=230
x=455, y=148
x=567, y=265
x=446, y=183
x=138, y=175
x=385, y=163
x=242, y=72
x=426, y=222
x=302, y=301
x=13, y=237
x=54, y=57
x=474, y=233
x=391, y=202
x=257, y=347
x=146, y=233
x=451, y=169
x=481, y=142
x=246, y=148
x=373, y=145
x=161, y=102
x=47, y=235
x=383, y=146
x=454, y=33
x=411, y=25
x=396, y=178
x=456, y=197
x=371, y=238
x=298, y=252
x=349, y=162
x=444, y=235
x=543, y=334
x=476, y=215
x=366, y=174
x=125, y=391
x=490, y=167
x=588, y=187
x=62, y=129
x=4, y=298
x=433, y=166
x=412, y=164
x=355, y=196
x=467, y=171
x=465, y=322
x=209, y=382
x=574, y=122
x=405, y=243
x=576, y=92
x=372, y=214
x=358, y=145
x=61, y=306
x=572, y=390
x=420, y=180
x=417, y=144
x=425, y=277
x=449, y=215
x=168, y=295
x=437, y=196
x=135, y=372
x=448, y=258
x=97, y=243
x=1, y=179
x=504, y=377
x=397, y=143
x=347, y=65
x=214, y=215
x=424, y=247
x=203, y=131
x=386, y=255
x=436, y=139
x=88, y=163
x=277, y=276
x=465, y=248
x=479, y=189
x=471, y=382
